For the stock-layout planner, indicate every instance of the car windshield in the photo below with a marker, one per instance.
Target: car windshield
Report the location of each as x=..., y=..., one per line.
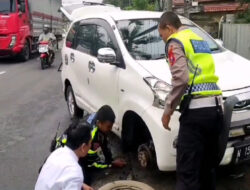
x=142, y=39
x=7, y=6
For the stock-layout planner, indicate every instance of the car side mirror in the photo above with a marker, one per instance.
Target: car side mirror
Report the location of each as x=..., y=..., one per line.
x=219, y=41
x=107, y=55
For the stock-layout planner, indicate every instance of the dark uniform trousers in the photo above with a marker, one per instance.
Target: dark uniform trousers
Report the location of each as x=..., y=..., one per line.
x=197, y=149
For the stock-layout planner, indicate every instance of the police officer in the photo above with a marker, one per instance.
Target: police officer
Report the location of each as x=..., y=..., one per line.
x=194, y=88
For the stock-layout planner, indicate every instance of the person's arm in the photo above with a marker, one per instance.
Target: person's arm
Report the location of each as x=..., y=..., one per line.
x=179, y=69
x=40, y=37
x=106, y=151
x=86, y=187
x=108, y=156
x=180, y=76
x=72, y=178
x=52, y=36
x=73, y=184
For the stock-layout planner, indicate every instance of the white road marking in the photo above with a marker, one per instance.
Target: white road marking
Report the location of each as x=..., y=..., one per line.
x=2, y=72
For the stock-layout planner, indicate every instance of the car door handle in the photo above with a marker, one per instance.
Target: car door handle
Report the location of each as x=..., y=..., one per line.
x=72, y=57
x=91, y=66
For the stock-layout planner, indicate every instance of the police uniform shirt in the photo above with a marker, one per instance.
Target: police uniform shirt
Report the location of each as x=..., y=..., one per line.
x=180, y=74
x=61, y=171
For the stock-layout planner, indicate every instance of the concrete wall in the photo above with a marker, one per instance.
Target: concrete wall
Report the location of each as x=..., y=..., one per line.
x=236, y=37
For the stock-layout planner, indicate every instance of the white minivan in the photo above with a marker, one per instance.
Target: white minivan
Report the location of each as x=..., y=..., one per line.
x=118, y=58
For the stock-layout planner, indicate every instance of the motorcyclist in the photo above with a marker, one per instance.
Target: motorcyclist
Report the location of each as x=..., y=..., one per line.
x=48, y=37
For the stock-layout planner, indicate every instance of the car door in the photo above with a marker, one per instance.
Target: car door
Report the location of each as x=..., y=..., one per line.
x=82, y=55
x=103, y=76
x=68, y=55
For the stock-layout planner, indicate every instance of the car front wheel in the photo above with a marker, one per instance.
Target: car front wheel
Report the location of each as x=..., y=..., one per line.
x=74, y=110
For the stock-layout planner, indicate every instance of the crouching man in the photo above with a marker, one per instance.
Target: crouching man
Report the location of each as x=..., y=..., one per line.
x=61, y=170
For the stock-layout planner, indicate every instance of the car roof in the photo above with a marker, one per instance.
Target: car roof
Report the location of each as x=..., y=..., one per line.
x=120, y=15
x=128, y=15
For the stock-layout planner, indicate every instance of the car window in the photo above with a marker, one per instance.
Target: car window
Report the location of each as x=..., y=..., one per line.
x=70, y=36
x=7, y=6
x=142, y=39
x=211, y=43
x=85, y=39
x=103, y=39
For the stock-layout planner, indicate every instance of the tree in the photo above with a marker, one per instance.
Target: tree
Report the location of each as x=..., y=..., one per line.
x=244, y=17
x=152, y=5
x=141, y=5
x=135, y=4
x=120, y=3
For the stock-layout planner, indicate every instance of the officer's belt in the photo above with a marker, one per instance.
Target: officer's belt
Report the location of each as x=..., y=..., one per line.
x=205, y=102
x=203, y=87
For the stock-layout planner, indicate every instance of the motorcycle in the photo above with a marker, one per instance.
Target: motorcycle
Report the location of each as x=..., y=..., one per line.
x=46, y=54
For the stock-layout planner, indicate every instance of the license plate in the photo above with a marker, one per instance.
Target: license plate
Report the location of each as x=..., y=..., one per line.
x=43, y=49
x=242, y=153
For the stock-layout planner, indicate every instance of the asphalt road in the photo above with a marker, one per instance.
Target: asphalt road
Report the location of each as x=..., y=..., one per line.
x=32, y=105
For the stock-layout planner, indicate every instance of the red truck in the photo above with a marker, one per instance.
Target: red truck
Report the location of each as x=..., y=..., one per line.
x=21, y=23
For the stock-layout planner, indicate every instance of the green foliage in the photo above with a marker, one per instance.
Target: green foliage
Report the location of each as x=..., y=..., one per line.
x=134, y=4
x=141, y=5
x=114, y=2
x=243, y=17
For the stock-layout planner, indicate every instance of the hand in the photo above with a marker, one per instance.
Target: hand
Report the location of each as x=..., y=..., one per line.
x=119, y=163
x=86, y=187
x=165, y=121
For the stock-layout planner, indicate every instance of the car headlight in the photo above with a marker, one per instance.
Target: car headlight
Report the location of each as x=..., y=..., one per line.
x=160, y=90
x=13, y=41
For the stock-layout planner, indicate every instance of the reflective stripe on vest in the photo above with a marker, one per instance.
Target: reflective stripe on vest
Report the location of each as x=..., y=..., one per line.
x=93, y=134
x=203, y=87
x=198, y=53
x=100, y=166
x=61, y=141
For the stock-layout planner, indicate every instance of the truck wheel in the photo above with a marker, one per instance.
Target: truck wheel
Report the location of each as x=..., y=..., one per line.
x=74, y=110
x=126, y=185
x=25, y=54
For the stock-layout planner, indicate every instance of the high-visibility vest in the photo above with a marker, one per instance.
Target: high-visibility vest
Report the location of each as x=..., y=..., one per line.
x=61, y=141
x=198, y=55
x=92, y=153
x=93, y=134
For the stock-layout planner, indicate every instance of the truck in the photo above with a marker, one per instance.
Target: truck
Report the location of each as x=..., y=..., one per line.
x=21, y=23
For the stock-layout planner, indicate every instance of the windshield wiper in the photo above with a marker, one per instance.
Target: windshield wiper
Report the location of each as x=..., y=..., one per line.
x=214, y=49
x=162, y=56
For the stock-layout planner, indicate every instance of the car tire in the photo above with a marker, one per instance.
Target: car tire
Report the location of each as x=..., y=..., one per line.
x=25, y=54
x=74, y=111
x=126, y=184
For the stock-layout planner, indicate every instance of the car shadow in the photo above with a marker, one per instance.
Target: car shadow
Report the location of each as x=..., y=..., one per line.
x=15, y=60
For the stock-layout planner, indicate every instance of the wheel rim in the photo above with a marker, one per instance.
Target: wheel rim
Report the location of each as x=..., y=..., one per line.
x=71, y=104
x=143, y=159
